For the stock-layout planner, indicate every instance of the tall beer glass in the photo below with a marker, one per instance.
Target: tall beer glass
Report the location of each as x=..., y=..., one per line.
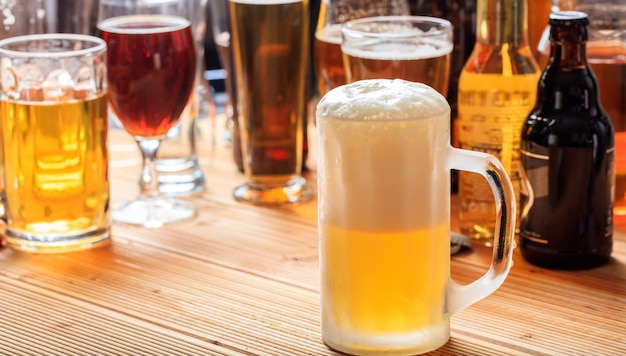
x=270, y=48
x=414, y=48
x=327, y=58
x=384, y=218
x=53, y=106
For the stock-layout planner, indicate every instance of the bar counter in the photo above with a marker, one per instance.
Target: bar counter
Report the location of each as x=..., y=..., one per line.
x=243, y=280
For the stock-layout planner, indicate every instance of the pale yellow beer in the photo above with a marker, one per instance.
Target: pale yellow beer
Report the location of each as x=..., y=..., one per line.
x=53, y=105
x=397, y=48
x=384, y=238
x=384, y=165
x=56, y=166
x=270, y=50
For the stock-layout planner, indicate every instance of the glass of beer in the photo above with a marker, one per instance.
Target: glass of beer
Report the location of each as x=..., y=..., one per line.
x=414, y=48
x=271, y=50
x=53, y=105
x=327, y=58
x=384, y=164
x=151, y=71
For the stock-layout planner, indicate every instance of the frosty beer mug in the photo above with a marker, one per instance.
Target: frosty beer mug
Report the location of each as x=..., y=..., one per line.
x=53, y=106
x=384, y=218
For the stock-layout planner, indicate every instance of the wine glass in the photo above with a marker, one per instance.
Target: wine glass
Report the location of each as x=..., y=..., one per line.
x=151, y=64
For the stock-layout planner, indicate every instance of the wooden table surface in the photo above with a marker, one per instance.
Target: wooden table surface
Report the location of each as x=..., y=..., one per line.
x=243, y=280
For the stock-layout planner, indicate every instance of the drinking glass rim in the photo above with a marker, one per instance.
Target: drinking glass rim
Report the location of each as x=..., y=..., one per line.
x=171, y=22
x=99, y=46
x=444, y=26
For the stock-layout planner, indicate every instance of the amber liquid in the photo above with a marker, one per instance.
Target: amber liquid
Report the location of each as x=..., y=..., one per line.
x=608, y=63
x=56, y=161
x=390, y=291
x=271, y=76
x=328, y=60
x=428, y=66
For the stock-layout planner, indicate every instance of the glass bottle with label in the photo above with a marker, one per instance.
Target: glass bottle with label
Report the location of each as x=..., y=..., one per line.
x=497, y=90
x=567, y=156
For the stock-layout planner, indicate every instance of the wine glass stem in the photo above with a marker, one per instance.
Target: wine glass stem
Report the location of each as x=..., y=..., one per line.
x=149, y=184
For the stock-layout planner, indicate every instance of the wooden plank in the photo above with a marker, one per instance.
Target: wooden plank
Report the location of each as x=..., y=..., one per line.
x=243, y=280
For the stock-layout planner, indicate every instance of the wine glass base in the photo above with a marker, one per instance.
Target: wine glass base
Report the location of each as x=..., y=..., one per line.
x=154, y=212
x=294, y=191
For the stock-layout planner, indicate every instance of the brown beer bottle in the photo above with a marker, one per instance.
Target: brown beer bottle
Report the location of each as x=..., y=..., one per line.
x=567, y=145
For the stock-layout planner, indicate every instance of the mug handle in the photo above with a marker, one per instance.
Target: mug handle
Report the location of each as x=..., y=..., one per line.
x=487, y=165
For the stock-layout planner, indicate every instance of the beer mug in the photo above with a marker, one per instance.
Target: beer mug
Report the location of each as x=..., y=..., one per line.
x=415, y=48
x=53, y=106
x=270, y=44
x=384, y=161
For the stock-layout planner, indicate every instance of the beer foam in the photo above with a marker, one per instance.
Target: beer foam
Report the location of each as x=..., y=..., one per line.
x=409, y=50
x=382, y=99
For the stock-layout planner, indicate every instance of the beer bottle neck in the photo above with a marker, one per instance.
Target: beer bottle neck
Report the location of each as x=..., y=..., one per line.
x=567, y=82
x=501, y=22
x=568, y=47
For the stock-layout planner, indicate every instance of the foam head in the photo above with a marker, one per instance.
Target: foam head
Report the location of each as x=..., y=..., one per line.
x=382, y=99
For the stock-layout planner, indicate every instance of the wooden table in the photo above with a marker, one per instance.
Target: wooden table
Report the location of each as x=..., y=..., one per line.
x=243, y=280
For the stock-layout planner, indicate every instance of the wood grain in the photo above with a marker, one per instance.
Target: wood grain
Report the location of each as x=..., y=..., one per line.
x=243, y=280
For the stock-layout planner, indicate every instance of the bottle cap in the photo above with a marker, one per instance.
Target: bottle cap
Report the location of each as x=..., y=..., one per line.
x=565, y=18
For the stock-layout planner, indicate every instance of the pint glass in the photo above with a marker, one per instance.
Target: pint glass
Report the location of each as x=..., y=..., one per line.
x=384, y=163
x=271, y=51
x=415, y=48
x=54, y=129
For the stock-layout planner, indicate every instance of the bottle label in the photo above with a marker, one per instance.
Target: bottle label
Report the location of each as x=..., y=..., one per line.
x=492, y=109
x=566, y=196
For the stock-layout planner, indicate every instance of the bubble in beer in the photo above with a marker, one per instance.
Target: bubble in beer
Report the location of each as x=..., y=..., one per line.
x=382, y=99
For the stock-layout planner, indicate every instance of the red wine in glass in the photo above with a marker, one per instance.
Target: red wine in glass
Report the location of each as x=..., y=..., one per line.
x=151, y=64
x=150, y=70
